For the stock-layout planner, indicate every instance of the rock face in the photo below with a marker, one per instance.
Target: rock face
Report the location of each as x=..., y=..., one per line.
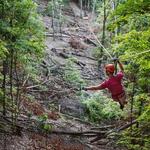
x=72, y=107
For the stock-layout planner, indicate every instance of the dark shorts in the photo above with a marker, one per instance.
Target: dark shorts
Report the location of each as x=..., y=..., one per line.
x=121, y=98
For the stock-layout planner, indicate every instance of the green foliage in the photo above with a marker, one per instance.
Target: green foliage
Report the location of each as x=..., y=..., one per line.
x=21, y=42
x=97, y=53
x=3, y=49
x=134, y=42
x=54, y=9
x=93, y=110
x=72, y=74
x=99, y=108
x=43, y=124
x=132, y=7
x=144, y=119
x=21, y=27
x=42, y=118
x=133, y=20
x=21, y=30
x=49, y=9
x=55, y=6
x=135, y=140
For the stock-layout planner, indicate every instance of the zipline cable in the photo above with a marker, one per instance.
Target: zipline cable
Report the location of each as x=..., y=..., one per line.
x=100, y=43
x=135, y=55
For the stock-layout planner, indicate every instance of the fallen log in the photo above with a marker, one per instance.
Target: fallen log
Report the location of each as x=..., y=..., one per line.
x=33, y=127
x=76, y=119
x=76, y=133
x=114, y=131
x=97, y=139
x=70, y=34
x=75, y=61
x=127, y=125
x=72, y=53
x=102, y=127
x=87, y=133
x=61, y=35
x=92, y=58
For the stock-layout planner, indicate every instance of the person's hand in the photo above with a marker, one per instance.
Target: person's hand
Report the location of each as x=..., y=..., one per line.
x=115, y=59
x=84, y=88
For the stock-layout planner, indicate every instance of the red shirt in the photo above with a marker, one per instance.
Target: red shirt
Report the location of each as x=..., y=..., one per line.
x=114, y=85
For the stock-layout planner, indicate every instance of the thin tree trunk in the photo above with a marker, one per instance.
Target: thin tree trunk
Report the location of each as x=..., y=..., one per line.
x=104, y=23
x=132, y=102
x=13, y=39
x=53, y=13
x=17, y=79
x=11, y=81
x=103, y=35
x=117, y=29
x=114, y=5
x=4, y=68
x=94, y=6
x=17, y=99
x=140, y=112
x=60, y=20
x=88, y=5
x=4, y=86
x=81, y=8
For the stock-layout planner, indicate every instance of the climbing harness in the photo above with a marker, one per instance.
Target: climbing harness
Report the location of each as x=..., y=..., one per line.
x=115, y=64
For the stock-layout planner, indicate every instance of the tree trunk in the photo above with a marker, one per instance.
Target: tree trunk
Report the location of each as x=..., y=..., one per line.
x=104, y=23
x=60, y=20
x=4, y=85
x=132, y=102
x=17, y=98
x=114, y=5
x=88, y=5
x=4, y=72
x=53, y=13
x=11, y=81
x=94, y=6
x=81, y=8
x=140, y=111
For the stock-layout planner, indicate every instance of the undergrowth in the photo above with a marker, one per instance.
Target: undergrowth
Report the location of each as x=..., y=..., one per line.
x=100, y=108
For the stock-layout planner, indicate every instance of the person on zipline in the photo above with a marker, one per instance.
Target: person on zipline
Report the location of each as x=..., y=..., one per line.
x=113, y=84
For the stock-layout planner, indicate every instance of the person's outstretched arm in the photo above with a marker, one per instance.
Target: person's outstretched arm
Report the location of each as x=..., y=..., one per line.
x=98, y=87
x=93, y=88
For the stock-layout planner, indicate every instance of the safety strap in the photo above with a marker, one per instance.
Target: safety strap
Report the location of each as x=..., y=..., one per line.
x=115, y=64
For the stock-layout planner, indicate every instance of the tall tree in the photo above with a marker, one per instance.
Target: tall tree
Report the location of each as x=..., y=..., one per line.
x=21, y=42
x=104, y=22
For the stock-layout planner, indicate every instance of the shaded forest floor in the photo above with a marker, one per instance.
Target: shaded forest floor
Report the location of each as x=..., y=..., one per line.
x=59, y=100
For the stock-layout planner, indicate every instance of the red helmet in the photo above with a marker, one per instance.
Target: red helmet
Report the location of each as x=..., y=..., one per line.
x=110, y=68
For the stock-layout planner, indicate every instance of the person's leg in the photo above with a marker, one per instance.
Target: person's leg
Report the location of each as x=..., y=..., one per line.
x=122, y=99
x=120, y=103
